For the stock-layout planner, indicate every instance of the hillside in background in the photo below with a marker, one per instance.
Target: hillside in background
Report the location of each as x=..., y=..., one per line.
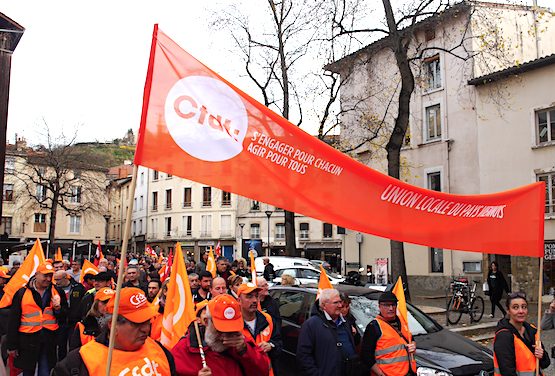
x=109, y=155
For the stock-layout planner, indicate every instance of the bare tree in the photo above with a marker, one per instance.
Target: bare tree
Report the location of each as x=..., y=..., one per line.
x=59, y=177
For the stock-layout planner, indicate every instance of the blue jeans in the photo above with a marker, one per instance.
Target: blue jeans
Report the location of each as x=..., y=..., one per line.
x=43, y=367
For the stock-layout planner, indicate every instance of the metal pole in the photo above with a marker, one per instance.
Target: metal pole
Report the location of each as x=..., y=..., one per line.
x=73, y=253
x=89, y=258
x=268, y=249
x=47, y=248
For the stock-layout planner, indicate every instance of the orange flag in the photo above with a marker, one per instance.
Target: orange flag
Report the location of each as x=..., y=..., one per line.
x=25, y=272
x=179, y=311
x=253, y=267
x=58, y=256
x=324, y=282
x=88, y=268
x=402, y=305
x=211, y=264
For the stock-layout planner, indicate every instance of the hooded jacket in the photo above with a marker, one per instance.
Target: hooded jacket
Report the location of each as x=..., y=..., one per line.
x=504, y=347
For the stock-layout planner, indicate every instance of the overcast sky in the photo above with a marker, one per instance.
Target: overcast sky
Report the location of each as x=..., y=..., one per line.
x=83, y=63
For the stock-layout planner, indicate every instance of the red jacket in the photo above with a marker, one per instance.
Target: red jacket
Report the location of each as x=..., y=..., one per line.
x=186, y=354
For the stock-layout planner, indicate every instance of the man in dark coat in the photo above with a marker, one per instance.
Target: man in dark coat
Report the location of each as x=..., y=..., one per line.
x=36, y=347
x=269, y=273
x=326, y=346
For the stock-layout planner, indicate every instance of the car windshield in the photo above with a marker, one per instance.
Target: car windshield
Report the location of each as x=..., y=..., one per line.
x=365, y=310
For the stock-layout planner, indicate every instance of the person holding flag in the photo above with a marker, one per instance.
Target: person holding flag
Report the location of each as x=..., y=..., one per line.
x=98, y=255
x=387, y=348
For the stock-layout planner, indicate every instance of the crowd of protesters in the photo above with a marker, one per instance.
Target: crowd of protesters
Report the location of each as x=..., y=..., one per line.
x=60, y=323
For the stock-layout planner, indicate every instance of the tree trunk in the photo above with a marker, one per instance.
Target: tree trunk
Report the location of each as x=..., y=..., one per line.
x=52, y=227
x=398, y=266
x=290, y=241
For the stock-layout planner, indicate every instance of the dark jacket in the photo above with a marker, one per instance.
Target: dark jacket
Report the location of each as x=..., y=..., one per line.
x=497, y=285
x=271, y=307
x=504, y=347
x=142, y=285
x=72, y=364
x=92, y=328
x=269, y=273
x=86, y=303
x=75, y=296
x=28, y=344
x=317, y=350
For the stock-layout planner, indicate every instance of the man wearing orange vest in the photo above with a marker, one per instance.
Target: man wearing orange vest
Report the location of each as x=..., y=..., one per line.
x=385, y=349
x=259, y=325
x=37, y=309
x=135, y=353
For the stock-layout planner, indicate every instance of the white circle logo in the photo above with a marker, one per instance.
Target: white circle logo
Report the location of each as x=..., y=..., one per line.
x=229, y=313
x=206, y=118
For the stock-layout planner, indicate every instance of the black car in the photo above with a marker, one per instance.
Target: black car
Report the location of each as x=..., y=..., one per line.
x=440, y=352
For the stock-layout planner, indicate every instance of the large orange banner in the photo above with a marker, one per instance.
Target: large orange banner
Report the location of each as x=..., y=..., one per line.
x=198, y=126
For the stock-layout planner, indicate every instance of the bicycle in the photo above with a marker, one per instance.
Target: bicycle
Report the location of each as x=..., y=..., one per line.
x=464, y=300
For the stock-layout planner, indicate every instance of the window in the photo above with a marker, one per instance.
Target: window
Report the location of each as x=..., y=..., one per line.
x=434, y=181
x=41, y=192
x=187, y=197
x=140, y=226
x=472, y=266
x=142, y=178
x=225, y=225
x=74, y=224
x=75, y=195
x=188, y=225
x=10, y=164
x=292, y=307
x=40, y=222
x=549, y=180
x=155, y=175
x=436, y=257
x=154, y=227
x=328, y=230
x=169, y=176
x=545, y=128
x=255, y=205
x=134, y=228
x=433, y=123
x=7, y=195
x=207, y=196
x=168, y=198
x=141, y=202
x=304, y=227
x=433, y=72
x=280, y=230
x=255, y=231
x=7, y=225
x=226, y=198
x=168, y=226
x=135, y=204
x=205, y=226
x=310, y=274
x=154, y=201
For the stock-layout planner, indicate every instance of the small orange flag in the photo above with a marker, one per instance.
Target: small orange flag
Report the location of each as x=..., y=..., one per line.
x=253, y=267
x=179, y=311
x=58, y=256
x=25, y=272
x=88, y=268
x=211, y=263
x=402, y=305
x=324, y=282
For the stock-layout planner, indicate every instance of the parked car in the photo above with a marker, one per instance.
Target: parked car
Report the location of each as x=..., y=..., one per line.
x=306, y=275
x=439, y=351
x=280, y=262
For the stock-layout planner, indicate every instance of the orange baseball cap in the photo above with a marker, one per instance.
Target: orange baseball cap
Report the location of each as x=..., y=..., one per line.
x=45, y=268
x=104, y=294
x=226, y=313
x=200, y=306
x=133, y=305
x=247, y=288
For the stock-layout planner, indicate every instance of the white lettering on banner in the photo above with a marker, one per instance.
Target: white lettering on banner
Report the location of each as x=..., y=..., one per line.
x=285, y=155
x=149, y=369
x=137, y=300
x=410, y=199
x=206, y=118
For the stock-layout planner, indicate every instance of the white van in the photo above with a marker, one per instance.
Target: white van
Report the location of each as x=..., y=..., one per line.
x=281, y=262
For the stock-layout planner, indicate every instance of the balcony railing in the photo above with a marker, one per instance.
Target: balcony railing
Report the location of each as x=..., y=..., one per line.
x=154, y=208
x=187, y=204
x=168, y=206
x=206, y=234
x=226, y=203
x=206, y=203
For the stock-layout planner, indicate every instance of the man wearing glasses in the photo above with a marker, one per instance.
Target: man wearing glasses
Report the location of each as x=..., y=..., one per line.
x=385, y=349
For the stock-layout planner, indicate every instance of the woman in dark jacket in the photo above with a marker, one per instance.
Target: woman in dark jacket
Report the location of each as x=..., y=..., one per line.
x=497, y=284
x=514, y=346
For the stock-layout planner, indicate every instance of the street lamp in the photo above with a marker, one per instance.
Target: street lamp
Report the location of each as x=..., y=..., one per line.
x=268, y=214
x=241, y=243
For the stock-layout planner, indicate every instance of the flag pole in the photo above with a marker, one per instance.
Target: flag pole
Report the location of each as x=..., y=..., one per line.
x=540, y=294
x=123, y=255
x=199, y=340
x=89, y=258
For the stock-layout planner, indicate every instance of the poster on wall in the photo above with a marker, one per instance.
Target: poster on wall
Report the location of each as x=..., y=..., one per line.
x=549, y=247
x=382, y=271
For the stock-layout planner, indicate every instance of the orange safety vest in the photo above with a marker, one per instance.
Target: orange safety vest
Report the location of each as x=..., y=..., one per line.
x=391, y=352
x=33, y=318
x=525, y=359
x=263, y=336
x=156, y=326
x=85, y=338
x=149, y=360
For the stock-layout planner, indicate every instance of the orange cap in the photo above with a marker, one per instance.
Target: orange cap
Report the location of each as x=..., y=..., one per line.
x=200, y=306
x=45, y=268
x=247, y=288
x=226, y=313
x=133, y=305
x=104, y=294
x=3, y=274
